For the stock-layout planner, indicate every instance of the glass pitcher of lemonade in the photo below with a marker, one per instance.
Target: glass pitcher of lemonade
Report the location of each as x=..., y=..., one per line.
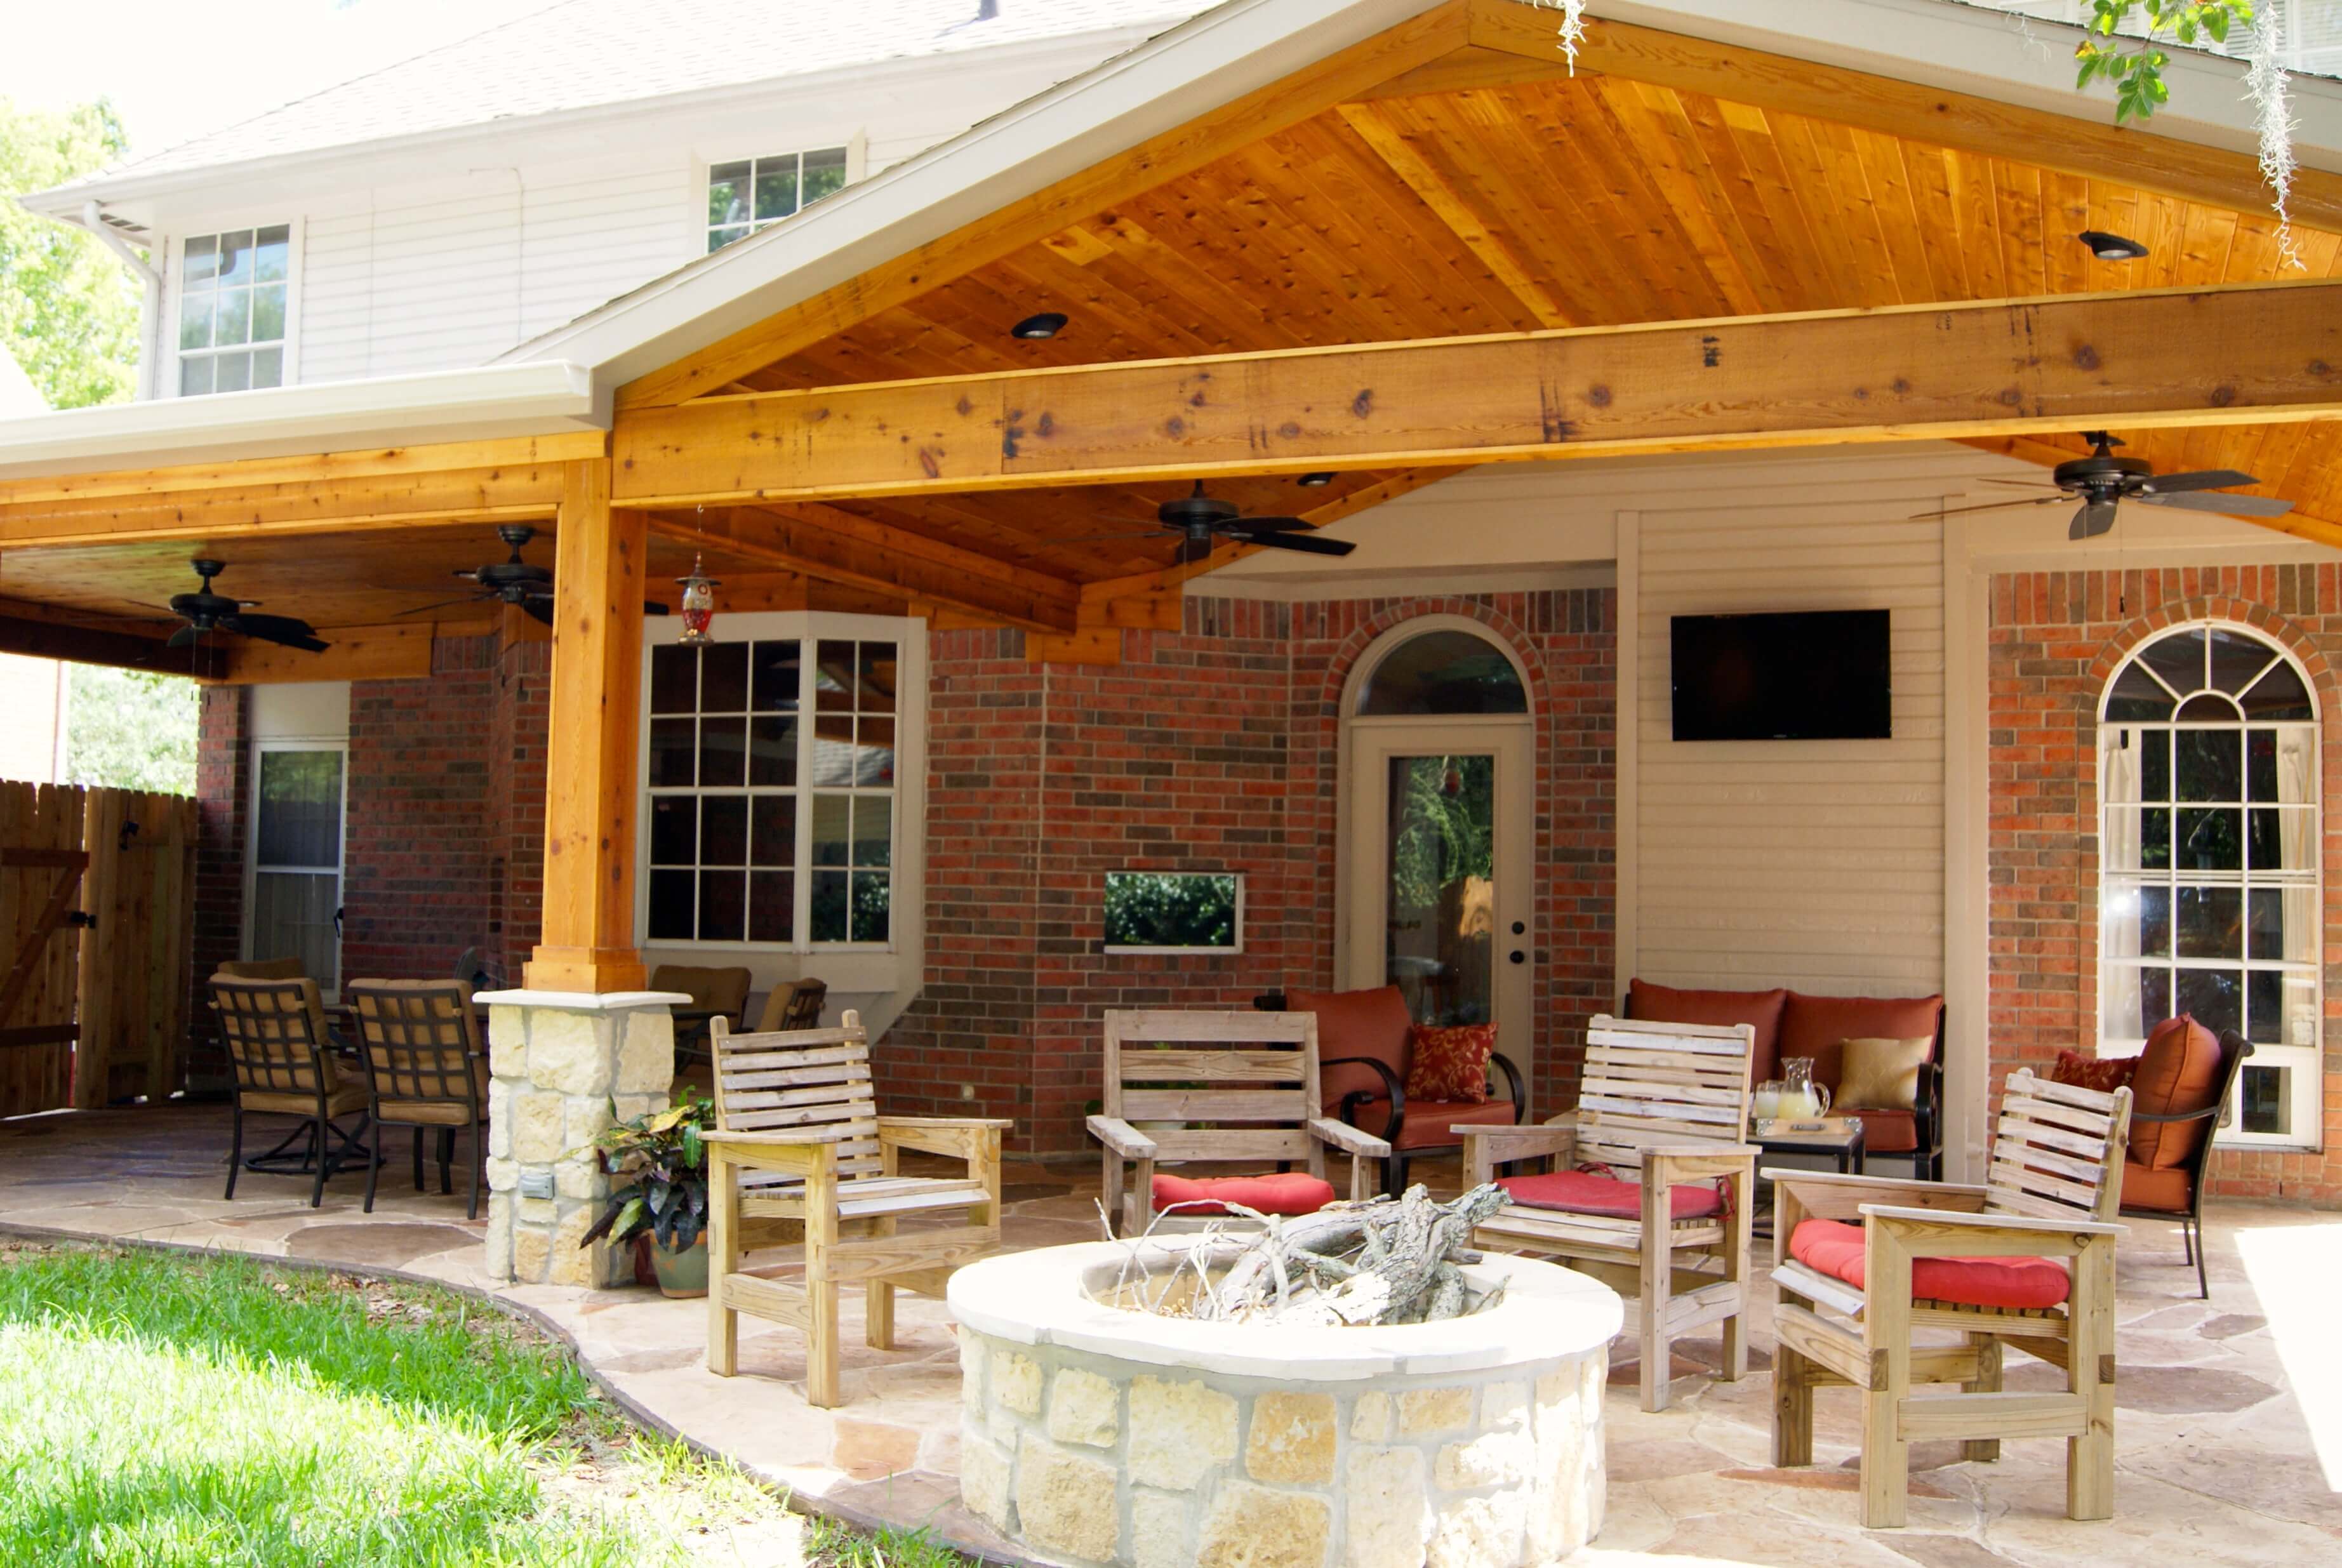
x=1802, y=1099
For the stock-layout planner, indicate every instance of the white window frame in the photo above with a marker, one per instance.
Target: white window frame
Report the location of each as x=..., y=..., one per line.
x=174, y=288
x=2305, y=1079
x=856, y=148
x=1234, y=949
x=907, y=855
x=329, y=986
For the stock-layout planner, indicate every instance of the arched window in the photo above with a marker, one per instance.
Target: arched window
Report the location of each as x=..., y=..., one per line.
x=1443, y=672
x=2208, y=777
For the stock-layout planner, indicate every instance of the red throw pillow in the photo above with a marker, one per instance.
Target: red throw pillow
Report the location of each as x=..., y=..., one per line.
x=2104, y=1074
x=1289, y=1193
x=1449, y=1064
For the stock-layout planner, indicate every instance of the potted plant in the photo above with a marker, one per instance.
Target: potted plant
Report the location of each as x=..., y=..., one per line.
x=665, y=1202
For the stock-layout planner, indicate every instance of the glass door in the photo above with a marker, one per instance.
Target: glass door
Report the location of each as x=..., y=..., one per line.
x=294, y=905
x=1440, y=866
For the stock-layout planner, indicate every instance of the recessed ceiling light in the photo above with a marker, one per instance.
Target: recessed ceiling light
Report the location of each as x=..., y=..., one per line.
x=2111, y=247
x=1048, y=323
x=1315, y=481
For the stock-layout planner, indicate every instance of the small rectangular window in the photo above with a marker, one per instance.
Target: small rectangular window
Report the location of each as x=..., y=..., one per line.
x=1174, y=912
x=744, y=195
x=234, y=303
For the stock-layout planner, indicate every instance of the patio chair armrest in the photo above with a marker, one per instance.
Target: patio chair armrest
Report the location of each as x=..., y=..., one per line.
x=1349, y=1139
x=1122, y=1137
x=806, y=1149
x=961, y=1138
x=1691, y=1162
x=996, y=1124
x=1826, y=1195
x=789, y=1137
x=1486, y=1146
x=2138, y=1116
x=2038, y=1230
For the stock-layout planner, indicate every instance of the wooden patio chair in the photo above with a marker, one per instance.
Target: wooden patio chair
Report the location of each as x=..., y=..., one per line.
x=282, y=1057
x=795, y=1005
x=715, y=992
x=1974, y=1260
x=799, y=1138
x=1244, y=1087
x=426, y=1069
x=1648, y=1185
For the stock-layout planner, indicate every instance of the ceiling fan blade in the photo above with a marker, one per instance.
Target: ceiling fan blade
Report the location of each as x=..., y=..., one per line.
x=653, y=607
x=2234, y=505
x=539, y=609
x=184, y=637
x=1987, y=507
x=281, y=630
x=1307, y=543
x=2210, y=479
x=2094, y=519
x=1272, y=525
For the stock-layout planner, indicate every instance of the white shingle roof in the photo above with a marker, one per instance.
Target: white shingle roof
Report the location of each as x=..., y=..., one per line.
x=582, y=54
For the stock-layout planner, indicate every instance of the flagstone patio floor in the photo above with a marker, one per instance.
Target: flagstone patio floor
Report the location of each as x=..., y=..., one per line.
x=2229, y=1429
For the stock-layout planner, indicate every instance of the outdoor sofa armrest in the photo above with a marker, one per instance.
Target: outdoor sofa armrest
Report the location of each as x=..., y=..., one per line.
x=2039, y=1230
x=1349, y=1139
x=2195, y=1115
x=1516, y=1087
x=1394, y=1090
x=1122, y=1137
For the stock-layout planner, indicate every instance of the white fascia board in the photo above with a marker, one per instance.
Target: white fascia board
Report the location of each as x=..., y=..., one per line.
x=579, y=131
x=1213, y=58
x=1991, y=53
x=542, y=399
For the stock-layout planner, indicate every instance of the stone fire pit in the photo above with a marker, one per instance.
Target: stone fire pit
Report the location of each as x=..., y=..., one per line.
x=1097, y=1434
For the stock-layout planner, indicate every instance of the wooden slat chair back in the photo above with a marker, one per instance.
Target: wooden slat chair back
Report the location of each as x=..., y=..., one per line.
x=426, y=1068
x=283, y=1064
x=793, y=1006
x=799, y=1140
x=1242, y=1086
x=1661, y=1106
x=2052, y=1187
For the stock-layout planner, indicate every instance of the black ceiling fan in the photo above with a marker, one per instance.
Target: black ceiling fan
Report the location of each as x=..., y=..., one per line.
x=205, y=611
x=2102, y=482
x=1202, y=521
x=513, y=581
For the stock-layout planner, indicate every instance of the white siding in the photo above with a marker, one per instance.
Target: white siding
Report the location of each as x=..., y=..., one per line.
x=1816, y=865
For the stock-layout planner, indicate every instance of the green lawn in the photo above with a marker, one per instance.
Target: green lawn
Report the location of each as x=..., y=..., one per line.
x=159, y=1410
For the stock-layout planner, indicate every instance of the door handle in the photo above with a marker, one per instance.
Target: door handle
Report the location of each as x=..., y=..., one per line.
x=1518, y=956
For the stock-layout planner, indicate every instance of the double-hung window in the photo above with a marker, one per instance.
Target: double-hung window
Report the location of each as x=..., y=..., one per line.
x=235, y=296
x=745, y=196
x=2211, y=901
x=773, y=793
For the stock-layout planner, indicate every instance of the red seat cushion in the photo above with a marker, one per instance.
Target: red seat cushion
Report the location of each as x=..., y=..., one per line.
x=2179, y=1071
x=1293, y=1192
x=1760, y=1009
x=1818, y=1027
x=1427, y=1121
x=1886, y=1132
x=1588, y=1192
x=1449, y=1062
x=1834, y=1248
x=1372, y=1023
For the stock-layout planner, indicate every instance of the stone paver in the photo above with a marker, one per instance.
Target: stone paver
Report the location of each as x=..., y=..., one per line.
x=2216, y=1461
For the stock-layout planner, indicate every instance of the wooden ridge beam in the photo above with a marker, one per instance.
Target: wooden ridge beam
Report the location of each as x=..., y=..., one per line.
x=1210, y=137
x=2063, y=142
x=45, y=639
x=839, y=547
x=464, y=496
x=370, y=463
x=2238, y=355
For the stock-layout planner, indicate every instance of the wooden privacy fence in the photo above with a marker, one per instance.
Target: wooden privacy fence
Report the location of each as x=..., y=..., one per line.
x=96, y=930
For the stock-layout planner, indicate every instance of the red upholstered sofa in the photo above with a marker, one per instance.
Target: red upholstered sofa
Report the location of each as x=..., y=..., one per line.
x=1791, y=1024
x=1362, y=1062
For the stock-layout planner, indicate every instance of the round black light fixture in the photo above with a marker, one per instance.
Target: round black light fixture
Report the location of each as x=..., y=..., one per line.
x=1048, y=323
x=2111, y=247
x=1315, y=481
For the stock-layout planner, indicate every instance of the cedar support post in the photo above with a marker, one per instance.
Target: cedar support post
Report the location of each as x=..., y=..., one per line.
x=588, y=938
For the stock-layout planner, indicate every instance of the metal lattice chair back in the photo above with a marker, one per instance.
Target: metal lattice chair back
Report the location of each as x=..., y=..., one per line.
x=420, y=1040
x=274, y=1034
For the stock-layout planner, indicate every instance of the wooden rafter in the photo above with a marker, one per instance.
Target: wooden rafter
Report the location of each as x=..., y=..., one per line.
x=839, y=547
x=47, y=638
x=521, y=452
x=521, y=494
x=1209, y=137
x=2224, y=356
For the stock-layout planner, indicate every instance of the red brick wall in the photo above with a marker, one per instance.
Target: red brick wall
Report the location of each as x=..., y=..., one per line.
x=2056, y=637
x=223, y=795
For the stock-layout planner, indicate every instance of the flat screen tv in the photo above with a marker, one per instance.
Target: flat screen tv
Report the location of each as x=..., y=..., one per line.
x=1812, y=675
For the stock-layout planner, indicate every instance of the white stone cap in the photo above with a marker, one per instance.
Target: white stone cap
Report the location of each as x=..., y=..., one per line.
x=582, y=1001
x=1548, y=1312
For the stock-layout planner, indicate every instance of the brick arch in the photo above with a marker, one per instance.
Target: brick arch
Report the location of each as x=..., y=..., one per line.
x=1515, y=638
x=2280, y=629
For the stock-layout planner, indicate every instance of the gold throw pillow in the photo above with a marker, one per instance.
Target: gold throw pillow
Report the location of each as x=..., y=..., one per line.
x=1882, y=1075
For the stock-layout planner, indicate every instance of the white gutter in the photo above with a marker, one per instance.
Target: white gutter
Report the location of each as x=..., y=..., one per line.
x=150, y=310
x=542, y=399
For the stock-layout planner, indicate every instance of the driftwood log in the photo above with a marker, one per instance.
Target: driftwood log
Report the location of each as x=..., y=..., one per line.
x=1390, y=1261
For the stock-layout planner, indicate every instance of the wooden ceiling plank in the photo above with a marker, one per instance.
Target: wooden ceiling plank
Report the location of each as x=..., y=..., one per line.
x=1974, y=199
x=1652, y=120
x=2065, y=212
x=1878, y=161
x=1210, y=135
x=2071, y=145
x=1397, y=150
x=1800, y=144
x=1749, y=136
x=1929, y=173
x=399, y=651
x=2165, y=359
x=2017, y=191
